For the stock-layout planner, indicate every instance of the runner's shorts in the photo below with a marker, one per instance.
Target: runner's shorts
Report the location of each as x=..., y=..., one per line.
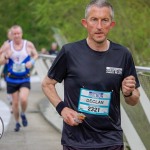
x=12, y=88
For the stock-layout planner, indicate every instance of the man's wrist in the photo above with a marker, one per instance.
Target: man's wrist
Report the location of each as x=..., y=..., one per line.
x=61, y=105
x=32, y=61
x=127, y=95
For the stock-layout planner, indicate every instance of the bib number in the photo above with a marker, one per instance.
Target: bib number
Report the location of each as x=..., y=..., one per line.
x=94, y=102
x=93, y=109
x=19, y=68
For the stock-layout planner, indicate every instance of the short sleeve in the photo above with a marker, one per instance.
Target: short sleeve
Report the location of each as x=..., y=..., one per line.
x=58, y=69
x=130, y=69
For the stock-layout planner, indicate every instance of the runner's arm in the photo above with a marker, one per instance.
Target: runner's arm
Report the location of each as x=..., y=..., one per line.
x=4, y=53
x=129, y=90
x=48, y=86
x=33, y=53
x=32, y=50
x=69, y=115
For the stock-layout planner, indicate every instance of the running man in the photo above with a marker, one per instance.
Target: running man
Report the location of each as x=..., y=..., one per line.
x=94, y=71
x=20, y=56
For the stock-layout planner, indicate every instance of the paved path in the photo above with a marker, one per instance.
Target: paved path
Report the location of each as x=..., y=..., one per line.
x=39, y=135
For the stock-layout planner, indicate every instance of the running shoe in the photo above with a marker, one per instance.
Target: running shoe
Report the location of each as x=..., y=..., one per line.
x=24, y=120
x=17, y=127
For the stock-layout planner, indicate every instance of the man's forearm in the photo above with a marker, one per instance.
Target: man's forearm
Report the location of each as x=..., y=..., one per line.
x=51, y=93
x=3, y=59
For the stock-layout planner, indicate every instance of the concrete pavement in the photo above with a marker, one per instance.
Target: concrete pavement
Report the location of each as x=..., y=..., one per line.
x=38, y=135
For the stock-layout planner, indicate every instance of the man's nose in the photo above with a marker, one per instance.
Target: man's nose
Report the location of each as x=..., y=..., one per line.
x=99, y=24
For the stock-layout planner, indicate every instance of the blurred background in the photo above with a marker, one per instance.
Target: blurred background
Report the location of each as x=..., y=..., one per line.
x=48, y=21
x=39, y=18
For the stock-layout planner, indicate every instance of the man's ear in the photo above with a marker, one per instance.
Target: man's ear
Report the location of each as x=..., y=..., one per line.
x=84, y=23
x=113, y=23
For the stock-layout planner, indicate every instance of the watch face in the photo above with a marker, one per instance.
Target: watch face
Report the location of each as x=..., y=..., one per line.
x=1, y=127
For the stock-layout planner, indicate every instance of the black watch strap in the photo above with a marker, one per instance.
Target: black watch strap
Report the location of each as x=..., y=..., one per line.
x=128, y=95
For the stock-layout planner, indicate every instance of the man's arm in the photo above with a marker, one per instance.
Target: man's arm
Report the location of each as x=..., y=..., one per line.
x=131, y=94
x=48, y=86
x=2, y=58
x=69, y=115
x=4, y=53
x=33, y=53
x=32, y=50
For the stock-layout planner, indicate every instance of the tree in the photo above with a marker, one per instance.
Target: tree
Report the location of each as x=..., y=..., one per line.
x=38, y=17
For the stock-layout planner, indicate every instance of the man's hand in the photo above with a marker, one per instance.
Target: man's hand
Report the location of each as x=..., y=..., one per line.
x=29, y=65
x=71, y=117
x=128, y=85
x=129, y=90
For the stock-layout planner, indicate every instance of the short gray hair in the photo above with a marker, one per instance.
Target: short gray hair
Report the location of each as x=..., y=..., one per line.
x=17, y=26
x=99, y=3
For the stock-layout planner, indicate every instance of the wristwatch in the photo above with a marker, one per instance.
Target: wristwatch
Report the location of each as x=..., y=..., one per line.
x=128, y=95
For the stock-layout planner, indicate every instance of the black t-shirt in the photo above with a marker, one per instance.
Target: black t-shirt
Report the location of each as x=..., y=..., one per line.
x=82, y=68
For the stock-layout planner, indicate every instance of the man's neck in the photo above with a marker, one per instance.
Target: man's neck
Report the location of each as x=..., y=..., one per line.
x=102, y=47
x=18, y=44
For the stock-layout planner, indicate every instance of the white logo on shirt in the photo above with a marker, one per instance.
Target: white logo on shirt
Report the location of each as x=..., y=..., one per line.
x=113, y=70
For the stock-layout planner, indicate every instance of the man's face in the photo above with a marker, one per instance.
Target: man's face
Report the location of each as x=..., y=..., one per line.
x=98, y=23
x=17, y=34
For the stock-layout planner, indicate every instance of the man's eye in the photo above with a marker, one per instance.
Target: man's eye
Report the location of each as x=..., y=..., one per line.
x=94, y=19
x=105, y=21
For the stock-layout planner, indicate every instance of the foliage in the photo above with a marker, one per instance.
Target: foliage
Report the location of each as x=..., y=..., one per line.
x=17, y=12
x=132, y=28
x=38, y=17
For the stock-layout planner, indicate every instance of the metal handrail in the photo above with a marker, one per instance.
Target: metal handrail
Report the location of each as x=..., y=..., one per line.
x=141, y=69
x=138, y=68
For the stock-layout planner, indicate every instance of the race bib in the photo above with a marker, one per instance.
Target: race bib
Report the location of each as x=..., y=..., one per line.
x=19, y=68
x=94, y=102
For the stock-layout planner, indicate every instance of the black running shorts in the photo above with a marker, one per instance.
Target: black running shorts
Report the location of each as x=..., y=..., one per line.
x=12, y=88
